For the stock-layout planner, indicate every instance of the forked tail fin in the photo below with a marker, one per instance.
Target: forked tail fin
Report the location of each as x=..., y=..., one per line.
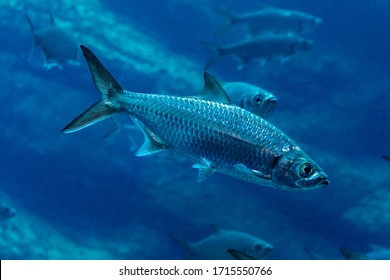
x=107, y=87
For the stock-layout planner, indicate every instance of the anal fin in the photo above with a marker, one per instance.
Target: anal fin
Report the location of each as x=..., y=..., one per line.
x=152, y=143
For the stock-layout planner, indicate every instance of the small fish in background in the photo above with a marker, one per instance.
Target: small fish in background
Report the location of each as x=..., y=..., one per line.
x=6, y=212
x=251, y=98
x=271, y=20
x=216, y=246
x=121, y=128
x=377, y=253
x=265, y=48
x=238, y=255
x=58, y=45
x=386, y=157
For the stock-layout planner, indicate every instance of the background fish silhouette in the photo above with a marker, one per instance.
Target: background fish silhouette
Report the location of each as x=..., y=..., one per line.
x=57, y=44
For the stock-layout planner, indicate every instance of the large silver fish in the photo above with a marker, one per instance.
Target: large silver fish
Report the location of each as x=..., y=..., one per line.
x=272, y=20
x=251, y=98
x=219, y=245
x=58, y=45
x=265, y=48
x=208, y=130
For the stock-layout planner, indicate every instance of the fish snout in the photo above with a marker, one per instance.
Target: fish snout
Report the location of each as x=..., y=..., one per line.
x=325, y=182
x=269, y=106
x=272, y=102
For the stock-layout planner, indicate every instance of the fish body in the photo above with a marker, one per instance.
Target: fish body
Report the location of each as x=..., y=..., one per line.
x=265, y=48
x=217, y=246
x=272, y=20
x=57, y=44
x=6, y=212
x=251, y=98
x=215, y=135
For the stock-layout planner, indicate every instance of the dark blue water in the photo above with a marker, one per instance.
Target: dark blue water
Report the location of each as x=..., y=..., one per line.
x=79, y=196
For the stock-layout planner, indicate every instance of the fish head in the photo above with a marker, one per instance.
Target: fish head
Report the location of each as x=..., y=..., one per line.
x=260, y=102
x=258, y=249
x=295, y=171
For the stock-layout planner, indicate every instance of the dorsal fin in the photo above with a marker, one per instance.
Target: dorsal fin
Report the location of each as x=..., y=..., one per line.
x=213, y=91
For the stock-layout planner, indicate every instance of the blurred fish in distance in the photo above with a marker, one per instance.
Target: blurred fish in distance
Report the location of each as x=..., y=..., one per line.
x=270, y=20
x=121, y=128
x=216, y=246
x=251, y=98
x=58, y=45
x=265, y=48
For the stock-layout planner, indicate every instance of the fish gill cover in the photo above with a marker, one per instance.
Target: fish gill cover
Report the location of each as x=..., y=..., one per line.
x=86, y=196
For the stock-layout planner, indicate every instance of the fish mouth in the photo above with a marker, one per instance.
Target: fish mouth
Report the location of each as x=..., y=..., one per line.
x=270, y=105
x=317, y=183
x=324, y=181
x=272, y=101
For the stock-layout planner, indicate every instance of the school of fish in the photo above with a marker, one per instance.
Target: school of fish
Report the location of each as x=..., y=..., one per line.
x=274, y=35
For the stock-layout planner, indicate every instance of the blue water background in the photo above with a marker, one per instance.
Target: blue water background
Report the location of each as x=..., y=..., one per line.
x=80, y=197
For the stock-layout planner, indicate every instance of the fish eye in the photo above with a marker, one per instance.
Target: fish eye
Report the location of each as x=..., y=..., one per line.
x=258, y=247
x=307, y=170
x=258, y=99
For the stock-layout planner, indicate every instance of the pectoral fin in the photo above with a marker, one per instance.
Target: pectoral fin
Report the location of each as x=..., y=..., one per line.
x=251, y=172
x=205, y=169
